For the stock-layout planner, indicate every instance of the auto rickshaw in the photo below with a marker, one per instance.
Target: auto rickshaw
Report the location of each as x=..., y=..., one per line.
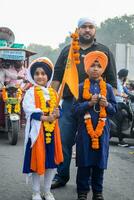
x=11, y=96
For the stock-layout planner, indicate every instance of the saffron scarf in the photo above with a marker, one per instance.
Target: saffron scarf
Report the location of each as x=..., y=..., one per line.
x=38, y=150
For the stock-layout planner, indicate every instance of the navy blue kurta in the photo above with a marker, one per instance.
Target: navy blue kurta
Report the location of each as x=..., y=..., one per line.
x=85, y=155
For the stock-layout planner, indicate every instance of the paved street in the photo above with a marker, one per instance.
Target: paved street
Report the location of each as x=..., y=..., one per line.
x=119, y=178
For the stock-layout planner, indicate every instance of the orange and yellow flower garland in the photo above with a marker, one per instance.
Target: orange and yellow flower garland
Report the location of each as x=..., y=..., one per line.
x=49, y=127
x=17, y=107
x=95, y=134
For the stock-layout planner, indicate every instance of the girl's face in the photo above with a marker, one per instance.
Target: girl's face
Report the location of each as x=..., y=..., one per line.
x=95, y=71
x=40, y=77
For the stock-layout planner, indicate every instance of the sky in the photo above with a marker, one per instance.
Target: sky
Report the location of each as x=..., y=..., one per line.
x=48, y=22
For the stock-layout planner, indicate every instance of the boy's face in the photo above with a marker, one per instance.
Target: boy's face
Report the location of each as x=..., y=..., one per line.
x=40, y=77
x=95, y=71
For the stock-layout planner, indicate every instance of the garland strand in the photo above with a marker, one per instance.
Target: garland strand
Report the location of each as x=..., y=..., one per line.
x=95, y=134
x=49, y=127
x=75, y=47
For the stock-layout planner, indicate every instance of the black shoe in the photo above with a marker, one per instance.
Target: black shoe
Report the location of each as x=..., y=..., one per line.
x=57, y=183
x=82, y=196
x=98, y=196
x=123, y=144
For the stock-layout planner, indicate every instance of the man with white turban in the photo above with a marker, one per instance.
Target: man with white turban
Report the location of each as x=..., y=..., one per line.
x=87, y=41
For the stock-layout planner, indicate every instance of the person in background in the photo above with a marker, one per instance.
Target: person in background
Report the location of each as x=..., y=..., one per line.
x=121, y=95
x=130, y=86
x=18, y=69
x=4, y=73
x=88, y=43
x=95, y=104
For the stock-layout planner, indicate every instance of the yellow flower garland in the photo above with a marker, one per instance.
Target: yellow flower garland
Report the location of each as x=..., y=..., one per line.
x=95, y=134
x=5, y=97
x=49, y=127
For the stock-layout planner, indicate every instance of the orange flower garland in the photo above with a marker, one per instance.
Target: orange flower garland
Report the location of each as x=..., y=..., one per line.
x=4, y=94
x=75, y=47
x=95, y=134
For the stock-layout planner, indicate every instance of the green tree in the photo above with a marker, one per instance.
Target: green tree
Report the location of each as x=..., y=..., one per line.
x=44, y=51
x=65, y=43
x=116, y=30
x=48, y=51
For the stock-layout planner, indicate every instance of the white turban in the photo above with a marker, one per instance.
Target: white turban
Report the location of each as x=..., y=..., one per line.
x=84, y=20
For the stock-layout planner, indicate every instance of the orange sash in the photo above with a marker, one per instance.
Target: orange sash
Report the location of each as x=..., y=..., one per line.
x=38, y=150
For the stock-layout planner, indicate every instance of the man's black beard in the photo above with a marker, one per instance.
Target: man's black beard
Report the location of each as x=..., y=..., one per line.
x=86, y=41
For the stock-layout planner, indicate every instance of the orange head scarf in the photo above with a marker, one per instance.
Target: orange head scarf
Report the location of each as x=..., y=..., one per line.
x=93, y=56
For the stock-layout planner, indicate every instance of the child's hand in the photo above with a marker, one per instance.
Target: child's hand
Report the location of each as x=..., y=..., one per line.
x=94, y=99
x=53, y=116
x=49, y=118
x=103, y=101
x=56, y=113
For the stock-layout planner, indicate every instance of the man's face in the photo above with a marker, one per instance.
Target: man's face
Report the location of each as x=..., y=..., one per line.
x=87, y=33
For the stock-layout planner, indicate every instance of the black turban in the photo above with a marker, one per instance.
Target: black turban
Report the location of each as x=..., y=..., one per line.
x=42, y=65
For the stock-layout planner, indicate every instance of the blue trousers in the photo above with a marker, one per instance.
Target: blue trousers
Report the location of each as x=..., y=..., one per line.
x=68, y=128
x=89, y=177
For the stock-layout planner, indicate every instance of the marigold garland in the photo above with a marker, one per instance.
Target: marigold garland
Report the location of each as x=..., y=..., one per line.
x=95, y=134
x=49, y=127
x=5, y=98
x=75, y=47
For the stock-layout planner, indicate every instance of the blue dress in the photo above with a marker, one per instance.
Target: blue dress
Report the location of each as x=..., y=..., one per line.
x=49, y=150
x=85, y=155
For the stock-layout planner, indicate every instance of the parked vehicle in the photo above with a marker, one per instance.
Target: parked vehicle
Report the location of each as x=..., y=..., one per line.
x=127, y=125
x=12, y=95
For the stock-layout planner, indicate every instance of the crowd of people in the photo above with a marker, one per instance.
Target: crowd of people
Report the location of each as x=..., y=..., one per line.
x=51, y=130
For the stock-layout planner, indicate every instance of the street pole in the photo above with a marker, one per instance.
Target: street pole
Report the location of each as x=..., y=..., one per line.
x=127, y=55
